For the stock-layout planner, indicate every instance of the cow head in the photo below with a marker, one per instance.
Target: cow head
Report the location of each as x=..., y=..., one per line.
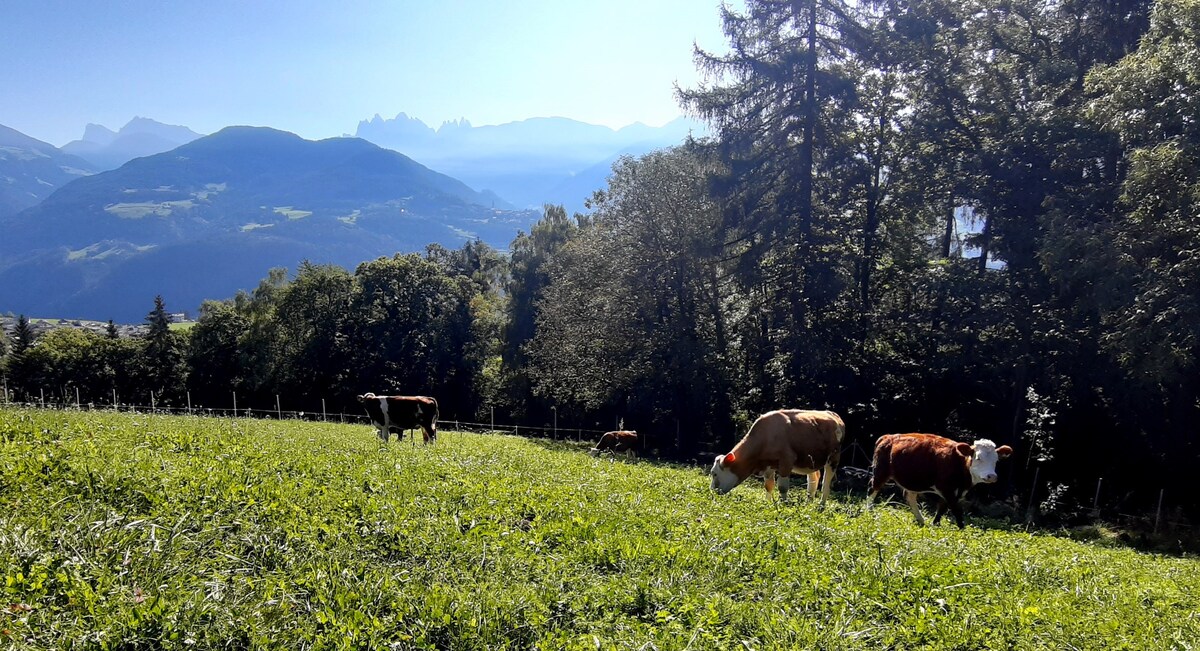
x=724, y=479
x=983, y=455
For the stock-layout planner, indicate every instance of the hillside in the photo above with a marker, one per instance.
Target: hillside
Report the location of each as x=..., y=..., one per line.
x=30, y=170
x=212, y=216
x=143, y=531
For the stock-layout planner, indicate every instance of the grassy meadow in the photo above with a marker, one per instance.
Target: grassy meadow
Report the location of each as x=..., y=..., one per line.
x=124, y=531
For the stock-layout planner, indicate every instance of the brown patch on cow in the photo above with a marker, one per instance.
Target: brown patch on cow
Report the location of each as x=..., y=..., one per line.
x=618, y=441
x=789, y=440
x=403, y=413
x=926, y=463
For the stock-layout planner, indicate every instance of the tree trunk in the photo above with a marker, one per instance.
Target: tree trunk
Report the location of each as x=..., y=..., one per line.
x=948, y=234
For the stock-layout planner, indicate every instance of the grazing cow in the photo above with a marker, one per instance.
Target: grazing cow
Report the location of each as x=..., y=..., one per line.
x=619, y=441
x=400, y=413
x=780, y=442
x=927, y=463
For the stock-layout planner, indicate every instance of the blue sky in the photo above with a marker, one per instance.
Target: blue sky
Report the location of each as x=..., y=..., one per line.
x=317, y=68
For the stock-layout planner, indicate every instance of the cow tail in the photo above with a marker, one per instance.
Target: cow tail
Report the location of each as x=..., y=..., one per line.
x=881, y=463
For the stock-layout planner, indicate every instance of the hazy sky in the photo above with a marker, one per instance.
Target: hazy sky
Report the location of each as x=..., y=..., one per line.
x=318, y=67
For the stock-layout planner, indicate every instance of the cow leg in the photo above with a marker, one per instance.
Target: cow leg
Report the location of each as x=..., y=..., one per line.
x=814, y=478
x=784, y=472
x=911, y=497
x=769, y=480
x=941, y=510
x=957, y=509
x=383, y=434
x=827, y=483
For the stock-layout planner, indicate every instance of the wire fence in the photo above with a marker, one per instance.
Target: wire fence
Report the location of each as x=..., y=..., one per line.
x=1043, y=500
x=62, y=400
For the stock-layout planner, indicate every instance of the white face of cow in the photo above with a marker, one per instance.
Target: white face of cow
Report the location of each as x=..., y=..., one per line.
x=984, y=456
x=723, y=479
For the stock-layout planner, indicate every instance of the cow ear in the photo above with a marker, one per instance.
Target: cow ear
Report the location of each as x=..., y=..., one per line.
x=729, y=458
x=965, y=449
x=1003, y=451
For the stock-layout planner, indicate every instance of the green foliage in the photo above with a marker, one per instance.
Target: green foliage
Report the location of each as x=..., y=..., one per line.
x=163, y=355
x=530, y=257
x=134, y=531
x=217, y=359
x=418, y=322
x=632, y=315
x=1150, y=100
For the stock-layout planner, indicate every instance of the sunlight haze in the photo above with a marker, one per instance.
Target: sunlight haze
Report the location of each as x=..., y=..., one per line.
x=317, y=68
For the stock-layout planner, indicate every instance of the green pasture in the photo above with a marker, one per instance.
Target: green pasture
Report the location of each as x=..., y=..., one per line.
x=122, y=531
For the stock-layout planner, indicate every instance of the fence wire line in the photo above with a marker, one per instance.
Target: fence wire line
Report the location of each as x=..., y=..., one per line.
x=290, y=414
x=1095, y=510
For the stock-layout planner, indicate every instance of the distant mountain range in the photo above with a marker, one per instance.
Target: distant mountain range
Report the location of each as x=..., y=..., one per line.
x=108, y=150
x=31, y=169
x=529, y=163
x=210, y=217
x=96, y=229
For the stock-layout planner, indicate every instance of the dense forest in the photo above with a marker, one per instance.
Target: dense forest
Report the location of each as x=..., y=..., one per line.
x=973, y=218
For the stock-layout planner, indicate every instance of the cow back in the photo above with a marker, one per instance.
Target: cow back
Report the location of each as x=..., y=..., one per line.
x=813, y=438
x=922, y=462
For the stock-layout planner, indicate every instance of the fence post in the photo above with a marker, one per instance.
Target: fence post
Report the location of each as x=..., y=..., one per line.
x=493, y=410
x=323, y=417
x=1158, y=512
x=189, y=395
x=77, y=397
x=1096, y=499
x=235, y=404
x=278, y=411
x=42, y=392
x=1032, y=492
x=153, y=404
x=116, y=407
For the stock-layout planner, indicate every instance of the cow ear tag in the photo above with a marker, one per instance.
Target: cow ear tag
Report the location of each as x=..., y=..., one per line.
x=729, y=458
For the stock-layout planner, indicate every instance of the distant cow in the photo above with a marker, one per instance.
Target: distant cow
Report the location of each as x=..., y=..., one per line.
x=400, y=413
x=619, y=441
x=780, y=442
x=927, y=463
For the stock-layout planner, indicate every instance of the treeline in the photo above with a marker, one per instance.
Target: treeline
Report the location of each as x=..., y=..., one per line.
x=975, y=218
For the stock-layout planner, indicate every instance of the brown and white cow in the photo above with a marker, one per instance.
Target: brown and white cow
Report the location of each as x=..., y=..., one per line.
x=400, y=413
x=927, y=463
x=781, y=442
x=618, y=441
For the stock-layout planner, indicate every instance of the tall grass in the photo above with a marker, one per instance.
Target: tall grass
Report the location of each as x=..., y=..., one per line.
x=122, y=531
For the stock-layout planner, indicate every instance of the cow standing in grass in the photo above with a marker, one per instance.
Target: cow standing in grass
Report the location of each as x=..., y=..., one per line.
x=927, y=463
x=400, y=413
x=781, y=442
x=618, y=441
